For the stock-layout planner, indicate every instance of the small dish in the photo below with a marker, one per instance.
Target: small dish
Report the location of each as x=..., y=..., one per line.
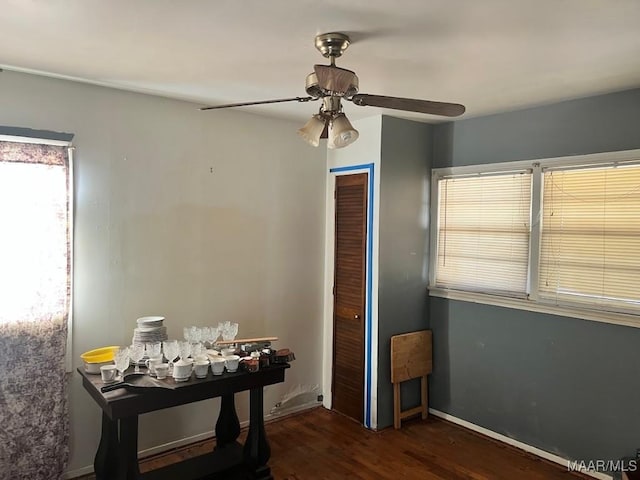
x=94, y=367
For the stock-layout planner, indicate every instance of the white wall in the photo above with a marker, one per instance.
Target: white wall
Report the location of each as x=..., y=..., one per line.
x=366, y=150
x=157, y=233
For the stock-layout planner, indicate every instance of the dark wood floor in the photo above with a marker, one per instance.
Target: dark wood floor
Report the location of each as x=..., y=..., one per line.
x=323, y=445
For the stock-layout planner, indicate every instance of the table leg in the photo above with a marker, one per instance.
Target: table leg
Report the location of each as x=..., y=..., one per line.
x=257, y=451
x=106, y=461
x=228, y=425
x=128, y=465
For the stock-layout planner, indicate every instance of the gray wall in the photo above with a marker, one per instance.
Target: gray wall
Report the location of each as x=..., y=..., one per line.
x=596, y=124
x=403, y=276
x=565, y=385
x=199, y=216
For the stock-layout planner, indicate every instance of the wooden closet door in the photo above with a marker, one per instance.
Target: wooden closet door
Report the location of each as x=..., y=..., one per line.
x=349, y=295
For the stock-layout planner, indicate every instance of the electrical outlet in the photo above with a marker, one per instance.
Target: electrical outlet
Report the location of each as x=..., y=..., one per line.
x=320, y=397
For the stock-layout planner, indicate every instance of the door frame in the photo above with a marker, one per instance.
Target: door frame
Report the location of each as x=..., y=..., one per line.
x=371, y=294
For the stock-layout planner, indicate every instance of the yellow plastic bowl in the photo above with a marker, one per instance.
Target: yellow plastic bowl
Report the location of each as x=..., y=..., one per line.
x=99, y=355
x=94, y=359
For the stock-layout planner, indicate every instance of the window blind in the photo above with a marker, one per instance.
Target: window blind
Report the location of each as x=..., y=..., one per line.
x=590, y=241
x=483, y=232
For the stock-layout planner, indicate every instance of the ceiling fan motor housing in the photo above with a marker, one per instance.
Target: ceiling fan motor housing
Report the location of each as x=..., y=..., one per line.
x=329, y=80
x=346, y=89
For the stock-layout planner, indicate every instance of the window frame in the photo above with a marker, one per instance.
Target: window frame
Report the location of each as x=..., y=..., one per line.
x=532, y=302
x=71, y=207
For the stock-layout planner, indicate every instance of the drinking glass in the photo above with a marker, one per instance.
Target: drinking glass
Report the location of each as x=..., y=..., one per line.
x=214, y=334
x=197, y=350
x=136, y=352
x=186, y=331
x=190, y=334
x=122, y=360
x=205, y=333
x=229, y=332
x=184, y=349
x=171, y=351
x=153, y=350
x=196, y=334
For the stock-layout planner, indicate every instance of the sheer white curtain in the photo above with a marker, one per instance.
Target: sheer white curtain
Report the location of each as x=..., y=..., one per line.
x=35, y=279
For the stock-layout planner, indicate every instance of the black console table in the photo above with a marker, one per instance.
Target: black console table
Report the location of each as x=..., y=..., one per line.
x=117, y=455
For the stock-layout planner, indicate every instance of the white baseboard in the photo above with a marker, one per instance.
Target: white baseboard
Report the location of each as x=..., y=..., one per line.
x=70, y=474
x=515, y=443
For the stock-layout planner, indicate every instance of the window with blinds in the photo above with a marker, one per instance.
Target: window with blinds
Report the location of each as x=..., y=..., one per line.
x=483, y=232
x=590, y=236
x=557, y=235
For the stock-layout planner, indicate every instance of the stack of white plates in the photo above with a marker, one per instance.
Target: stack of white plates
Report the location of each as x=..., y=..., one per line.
x=150, y=322
x=150, y=330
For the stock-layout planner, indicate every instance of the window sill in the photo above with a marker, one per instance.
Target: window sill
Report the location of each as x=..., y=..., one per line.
x=627, y=320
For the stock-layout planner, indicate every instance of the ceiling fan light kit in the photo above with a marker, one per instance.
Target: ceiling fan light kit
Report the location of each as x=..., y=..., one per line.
x=332, y=84
x=312, y=130
x=341, y=132
x=330, y=122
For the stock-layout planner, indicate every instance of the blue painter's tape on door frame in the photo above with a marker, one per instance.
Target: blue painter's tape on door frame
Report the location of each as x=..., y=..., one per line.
x=368, y=366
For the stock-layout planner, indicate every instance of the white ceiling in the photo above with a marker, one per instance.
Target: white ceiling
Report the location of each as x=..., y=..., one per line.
x=491, y=55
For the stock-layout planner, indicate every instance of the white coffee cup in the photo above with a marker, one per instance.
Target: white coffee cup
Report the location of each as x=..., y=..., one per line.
x=108, y=373
x=231, y=362
x=182, y=370
x=201, y=367
x=217, y=366
x=162, y=370
x=152, y=363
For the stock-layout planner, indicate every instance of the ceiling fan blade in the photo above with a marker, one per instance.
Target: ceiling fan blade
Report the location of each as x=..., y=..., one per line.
x=409, y=105
x=336, y=79
x=262, y=102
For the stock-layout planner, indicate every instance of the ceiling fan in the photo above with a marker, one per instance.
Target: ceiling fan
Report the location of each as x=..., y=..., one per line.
x=332, y=85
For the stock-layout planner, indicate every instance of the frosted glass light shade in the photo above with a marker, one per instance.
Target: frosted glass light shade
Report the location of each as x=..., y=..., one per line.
x=341, y=132
x=312, y=130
